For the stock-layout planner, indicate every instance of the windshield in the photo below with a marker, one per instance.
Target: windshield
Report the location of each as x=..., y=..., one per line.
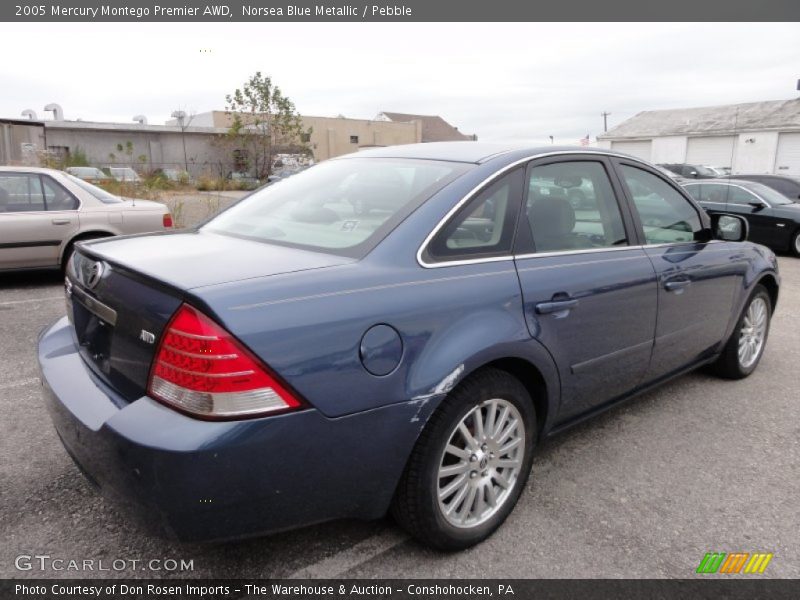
x=773, y=197
x=95, y=191
x=343, y=206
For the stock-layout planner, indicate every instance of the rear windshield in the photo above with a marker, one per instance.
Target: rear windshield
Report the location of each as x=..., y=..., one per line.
x=95, y=191
x=341, y=206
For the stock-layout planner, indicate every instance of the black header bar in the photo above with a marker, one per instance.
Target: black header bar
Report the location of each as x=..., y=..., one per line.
x=262, y=11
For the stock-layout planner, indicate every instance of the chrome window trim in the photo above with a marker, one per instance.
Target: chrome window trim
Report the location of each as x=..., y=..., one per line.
x=606, y=249
x=726, y=203
x=580, y=251
x=736, y=185
x=469, y=195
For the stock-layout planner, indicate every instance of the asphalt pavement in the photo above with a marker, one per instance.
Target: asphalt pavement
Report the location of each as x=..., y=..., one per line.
x=699, y=465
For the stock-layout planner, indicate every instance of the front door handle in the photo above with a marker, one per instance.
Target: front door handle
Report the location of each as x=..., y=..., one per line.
x=677, y=285
x=544, y=308
x=61, y=221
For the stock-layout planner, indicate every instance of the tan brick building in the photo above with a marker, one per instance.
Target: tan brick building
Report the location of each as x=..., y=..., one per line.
x=334, y=136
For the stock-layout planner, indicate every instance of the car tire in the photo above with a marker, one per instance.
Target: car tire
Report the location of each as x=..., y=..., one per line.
x=744, y=349
x=795, y=245
x=478, y=472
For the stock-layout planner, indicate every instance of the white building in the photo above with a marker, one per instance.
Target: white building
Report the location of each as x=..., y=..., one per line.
x=757, y=137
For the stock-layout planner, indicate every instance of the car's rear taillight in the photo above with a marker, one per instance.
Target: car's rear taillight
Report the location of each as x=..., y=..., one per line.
x=202, y=370
x=167, y=220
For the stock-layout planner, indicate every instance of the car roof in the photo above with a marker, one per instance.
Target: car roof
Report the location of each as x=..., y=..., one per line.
x=28, y=170
x=765, y=175
x=470, y=152
x=723, y=181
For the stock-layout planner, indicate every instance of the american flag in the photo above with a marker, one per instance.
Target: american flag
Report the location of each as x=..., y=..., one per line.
x=585, y=141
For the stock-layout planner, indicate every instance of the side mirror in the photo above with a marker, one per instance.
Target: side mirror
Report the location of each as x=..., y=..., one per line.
x=730, y=228
x=757, y=204
x=692, y=173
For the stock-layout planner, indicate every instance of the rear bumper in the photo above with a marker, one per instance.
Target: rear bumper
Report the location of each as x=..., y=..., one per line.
x=200, y=480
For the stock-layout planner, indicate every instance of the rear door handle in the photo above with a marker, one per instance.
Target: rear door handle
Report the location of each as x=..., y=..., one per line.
x=61, y=221
x=677, y=285
x=544, y=308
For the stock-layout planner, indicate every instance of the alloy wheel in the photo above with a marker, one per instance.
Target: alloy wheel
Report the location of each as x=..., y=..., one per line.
x=753, y=332
x=481, y=463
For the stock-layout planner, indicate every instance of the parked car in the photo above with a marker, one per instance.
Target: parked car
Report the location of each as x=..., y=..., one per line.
x=295, y=360
x=671, y=174
x=774, y=219
x=176, y=175
x=44, y=213
x=691, y=171
x=124, y=174
x=244, y=180
x=788, y=186
x=720, y=171
x=90, y=174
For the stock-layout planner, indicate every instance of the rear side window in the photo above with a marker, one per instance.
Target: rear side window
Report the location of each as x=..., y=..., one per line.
x=343, y=206
x=572, y=206
x=696, y=192
x=666, y=216
x=483, y=228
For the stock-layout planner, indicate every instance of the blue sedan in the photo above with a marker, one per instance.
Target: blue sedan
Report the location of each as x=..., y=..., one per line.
x=393, y=330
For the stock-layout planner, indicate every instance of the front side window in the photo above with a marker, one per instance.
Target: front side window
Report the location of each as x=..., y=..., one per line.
x=736, y=195
x=572, y=206
x=666, y=216
x=343, y=206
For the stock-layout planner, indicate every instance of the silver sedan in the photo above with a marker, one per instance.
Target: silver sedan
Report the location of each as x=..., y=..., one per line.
x=44, y=212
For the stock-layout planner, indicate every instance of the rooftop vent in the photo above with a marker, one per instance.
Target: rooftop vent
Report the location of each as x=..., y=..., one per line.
x=58, y=112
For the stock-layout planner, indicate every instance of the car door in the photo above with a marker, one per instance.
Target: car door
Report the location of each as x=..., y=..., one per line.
x=696, y=275
x=30, y=234
x=589, y=291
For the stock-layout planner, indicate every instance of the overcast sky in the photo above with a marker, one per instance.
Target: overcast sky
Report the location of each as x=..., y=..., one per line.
x=501, y=81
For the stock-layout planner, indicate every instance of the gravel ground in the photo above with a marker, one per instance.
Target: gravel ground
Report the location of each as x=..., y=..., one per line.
x=189, y=209
x=645, y=490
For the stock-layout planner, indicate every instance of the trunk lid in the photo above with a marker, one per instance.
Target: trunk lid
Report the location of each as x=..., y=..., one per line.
x=122, y=292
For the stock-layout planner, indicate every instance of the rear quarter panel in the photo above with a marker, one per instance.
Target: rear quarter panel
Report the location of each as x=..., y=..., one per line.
x=450, y=323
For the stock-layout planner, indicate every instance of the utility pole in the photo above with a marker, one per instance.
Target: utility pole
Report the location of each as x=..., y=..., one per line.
x=180, y=115
x=605, y=120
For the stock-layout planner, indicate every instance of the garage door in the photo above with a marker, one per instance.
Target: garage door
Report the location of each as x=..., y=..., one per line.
x=787, y=161
x=714, y=151
x=640, y=149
